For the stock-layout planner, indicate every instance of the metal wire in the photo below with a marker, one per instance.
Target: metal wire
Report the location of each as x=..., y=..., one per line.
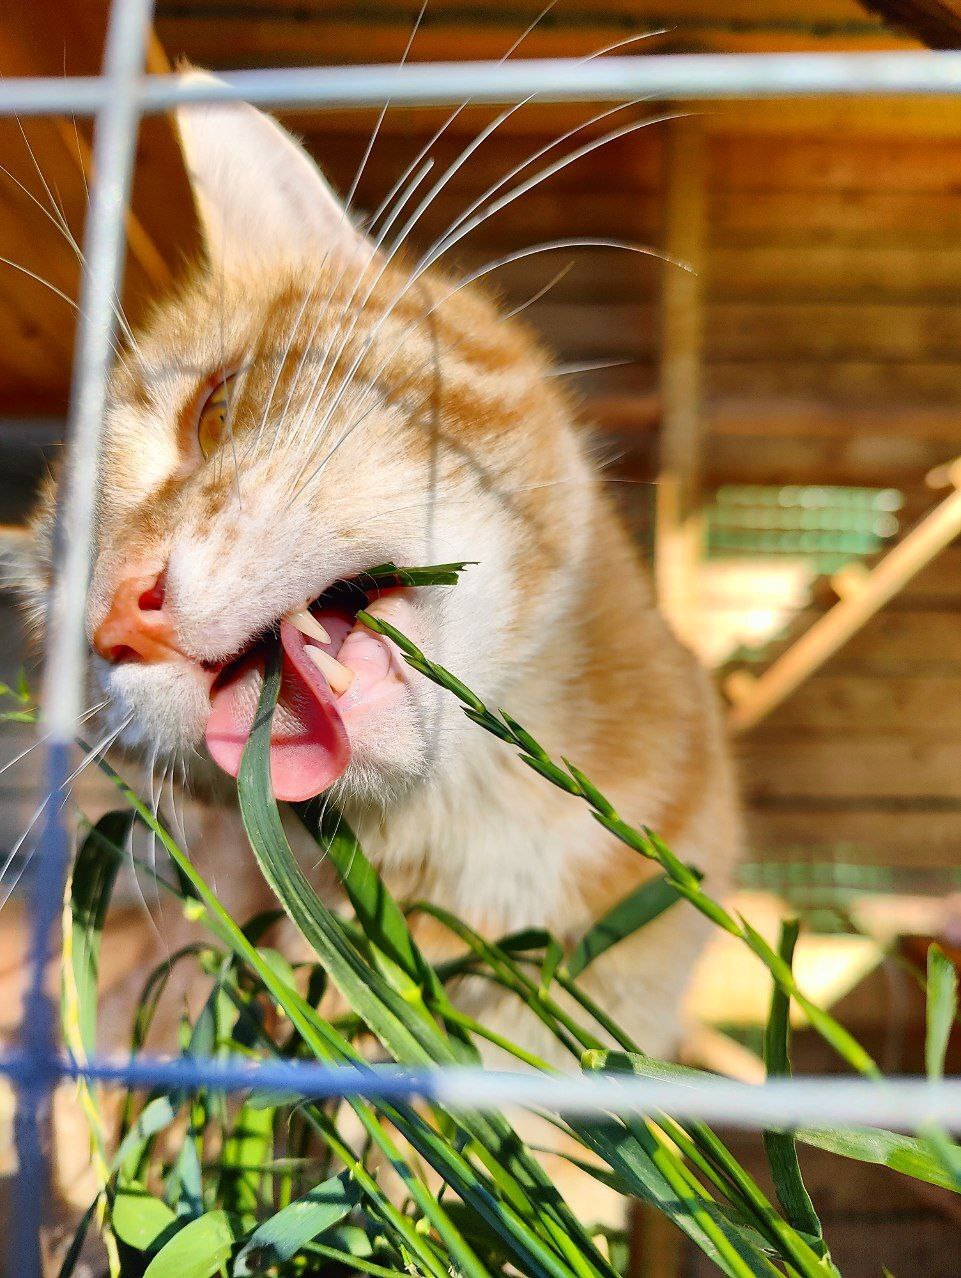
x=117, y=98
x=907, y=1104
x=64, y=666
x=666, y=76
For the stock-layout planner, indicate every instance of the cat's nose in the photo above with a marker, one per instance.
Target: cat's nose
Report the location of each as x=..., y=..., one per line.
x=137, y=627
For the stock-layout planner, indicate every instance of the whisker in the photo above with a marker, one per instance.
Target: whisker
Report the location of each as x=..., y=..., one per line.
x=541, y=292
x=95, y=752
x=346, y=209
x=352, y=191
x=151, y=868
x=425, y=203
x=25, y=270
x=549, y=246
x=57, y=215
x=46, y=736
x=15, y=850
x=449, y=239
x=64, y=790
x=425, y=150
x=268, y=403
x=510, y=257
x=346, y=310
x=587, y=366
x=549, y=170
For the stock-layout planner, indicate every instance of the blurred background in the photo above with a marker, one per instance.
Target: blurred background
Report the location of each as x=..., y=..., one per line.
x=773, y=424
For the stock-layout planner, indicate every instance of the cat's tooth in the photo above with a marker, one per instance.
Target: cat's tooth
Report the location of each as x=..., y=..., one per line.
x=308, y=625
x=385, y=606
x=338, y=676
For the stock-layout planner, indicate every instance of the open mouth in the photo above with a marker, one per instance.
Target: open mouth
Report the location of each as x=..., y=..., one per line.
x=333, y=671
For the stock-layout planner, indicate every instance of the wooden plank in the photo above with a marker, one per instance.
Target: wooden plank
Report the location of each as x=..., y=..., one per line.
x=939, y=586
x=758, y=13
x=68, y=38
x=893, y=164
x=855, y=609
x=828, y=331
x=933, y=116
x=901, y=642
x=835, y=273
x=872, y=461
x=756, y=333
x=933, y=22
x=678, y=540
x=816, y=419
x=858, y=765
x=929, y=117
x=820, y=217
x=922, y=704
x=862, y=835
x=840, y=380
x=332, y=33
x=885, y=431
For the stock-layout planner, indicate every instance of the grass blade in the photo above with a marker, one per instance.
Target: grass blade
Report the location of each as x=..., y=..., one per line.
x=303, y=1220
x=199, y=1250
x=942, y=1008
x=779, y=1146
x=640, y=907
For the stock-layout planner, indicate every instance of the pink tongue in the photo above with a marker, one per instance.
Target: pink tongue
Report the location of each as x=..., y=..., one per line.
x=309, y=748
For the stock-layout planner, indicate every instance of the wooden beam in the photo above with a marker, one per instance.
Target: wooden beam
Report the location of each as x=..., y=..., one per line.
x=678, y=532
x=858, y=605
x=934, y=22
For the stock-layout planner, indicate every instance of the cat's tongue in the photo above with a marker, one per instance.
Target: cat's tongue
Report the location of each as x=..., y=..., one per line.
x=309, y=748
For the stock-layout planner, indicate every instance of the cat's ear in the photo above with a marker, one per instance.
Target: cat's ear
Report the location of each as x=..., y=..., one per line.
x=258, y=194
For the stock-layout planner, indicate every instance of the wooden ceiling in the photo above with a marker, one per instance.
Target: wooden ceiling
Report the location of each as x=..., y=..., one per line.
x=313, y=32
x=789, y=224
x=936, y=23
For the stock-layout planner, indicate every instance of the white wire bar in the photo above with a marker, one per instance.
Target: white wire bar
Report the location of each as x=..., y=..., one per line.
x=689, y=77
x=65, y=656
x=906, y=1104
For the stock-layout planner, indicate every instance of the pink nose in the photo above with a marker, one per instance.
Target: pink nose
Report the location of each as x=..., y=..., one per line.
x=136, y=627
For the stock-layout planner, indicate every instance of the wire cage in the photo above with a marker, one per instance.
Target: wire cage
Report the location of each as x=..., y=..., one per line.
x=117, y=99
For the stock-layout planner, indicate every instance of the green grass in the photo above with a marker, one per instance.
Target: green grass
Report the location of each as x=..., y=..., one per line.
x=201, y=1185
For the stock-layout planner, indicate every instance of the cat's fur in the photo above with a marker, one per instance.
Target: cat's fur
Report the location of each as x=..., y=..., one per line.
x=450, y=439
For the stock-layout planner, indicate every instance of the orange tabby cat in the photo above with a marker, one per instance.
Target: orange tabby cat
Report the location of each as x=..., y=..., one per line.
x=310, y=403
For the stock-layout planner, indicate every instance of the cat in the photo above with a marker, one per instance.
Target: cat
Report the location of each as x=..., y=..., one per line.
x=309, y=403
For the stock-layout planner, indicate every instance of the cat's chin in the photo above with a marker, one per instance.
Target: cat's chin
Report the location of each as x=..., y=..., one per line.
x=160, y=708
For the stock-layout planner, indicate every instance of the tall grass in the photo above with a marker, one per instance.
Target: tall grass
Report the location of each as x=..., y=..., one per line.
x=197, y=1185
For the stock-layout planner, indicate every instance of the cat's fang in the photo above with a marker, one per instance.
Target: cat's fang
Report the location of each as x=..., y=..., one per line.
x=308, y=625
x=338, y=676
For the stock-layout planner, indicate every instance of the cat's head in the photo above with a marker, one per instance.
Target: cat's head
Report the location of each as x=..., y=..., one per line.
x=309, y=404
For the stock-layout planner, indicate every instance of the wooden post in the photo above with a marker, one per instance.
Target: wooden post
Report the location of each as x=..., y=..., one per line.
x=679, y=528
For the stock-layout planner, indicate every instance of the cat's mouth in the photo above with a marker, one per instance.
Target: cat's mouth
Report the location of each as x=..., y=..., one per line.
x=334, y=672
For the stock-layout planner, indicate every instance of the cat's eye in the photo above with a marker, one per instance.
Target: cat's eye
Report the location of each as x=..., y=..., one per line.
x=212, y=418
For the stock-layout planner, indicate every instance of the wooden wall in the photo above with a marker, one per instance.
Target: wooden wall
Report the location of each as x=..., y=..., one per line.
x=832, y=321
x=832, y=318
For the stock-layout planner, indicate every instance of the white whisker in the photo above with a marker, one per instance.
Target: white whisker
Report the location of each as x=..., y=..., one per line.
x=96, y=751
x=46, y=737
x=544, y=289
x=14, y=851
x=587, y=366
x=550, y=246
